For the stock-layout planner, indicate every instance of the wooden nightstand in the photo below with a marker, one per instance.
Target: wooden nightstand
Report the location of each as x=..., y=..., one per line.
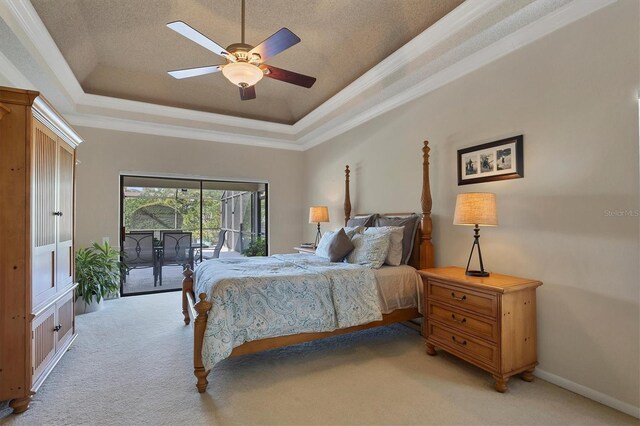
x=489, y=322
x=305, y=250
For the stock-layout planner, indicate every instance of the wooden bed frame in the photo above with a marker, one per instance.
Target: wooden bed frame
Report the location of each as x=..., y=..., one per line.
x=422, y=257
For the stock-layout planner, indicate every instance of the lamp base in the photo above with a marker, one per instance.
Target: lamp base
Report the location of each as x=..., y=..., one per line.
x=318, y=237
x=477, y=273
x=476, y=242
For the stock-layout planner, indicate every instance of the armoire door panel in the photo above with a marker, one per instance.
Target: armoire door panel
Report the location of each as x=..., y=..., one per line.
x=44, y=341
x=43, y=276
x=64, y=265
x=44, y=176
x=45, y=144
x=65, y=320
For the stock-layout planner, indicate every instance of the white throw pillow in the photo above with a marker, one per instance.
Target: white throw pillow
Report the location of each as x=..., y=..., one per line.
x=369, y=249
x=394, y=257
x=323, y=246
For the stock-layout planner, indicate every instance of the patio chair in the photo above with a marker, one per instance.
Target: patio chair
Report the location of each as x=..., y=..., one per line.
x=138, y=253
x=176, y=250
x=217, y=248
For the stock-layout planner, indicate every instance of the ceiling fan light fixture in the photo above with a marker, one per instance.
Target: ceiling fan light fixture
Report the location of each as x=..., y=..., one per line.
x=242, y=74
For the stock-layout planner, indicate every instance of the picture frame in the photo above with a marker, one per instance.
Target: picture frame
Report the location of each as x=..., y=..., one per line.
x=499, y=160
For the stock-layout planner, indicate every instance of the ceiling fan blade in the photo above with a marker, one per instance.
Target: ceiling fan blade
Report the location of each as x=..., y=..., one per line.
x=194, y=72
x=279, y=41
x=197, y=37
x=288, y=76
x=247, y=93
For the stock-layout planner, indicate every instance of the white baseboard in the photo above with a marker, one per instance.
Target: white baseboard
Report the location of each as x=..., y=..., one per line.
x=607, y=400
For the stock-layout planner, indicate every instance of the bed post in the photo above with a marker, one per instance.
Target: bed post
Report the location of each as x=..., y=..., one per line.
x=187, y=288
x=426, y=246
x=347, y=196
x=199, y=325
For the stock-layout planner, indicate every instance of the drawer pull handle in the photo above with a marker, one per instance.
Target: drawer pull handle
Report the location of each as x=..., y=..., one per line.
x=463, y=343
x=462, y=321
x=453, y=295
x=57, y=327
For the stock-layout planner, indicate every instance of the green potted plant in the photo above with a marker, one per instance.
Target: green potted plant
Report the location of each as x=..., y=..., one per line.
x=257, y=247
x=98, y=274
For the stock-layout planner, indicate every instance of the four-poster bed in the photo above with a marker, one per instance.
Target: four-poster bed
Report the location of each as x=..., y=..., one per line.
x=422, y=257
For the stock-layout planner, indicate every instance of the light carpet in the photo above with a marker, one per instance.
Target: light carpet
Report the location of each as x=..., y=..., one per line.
x=132, y=365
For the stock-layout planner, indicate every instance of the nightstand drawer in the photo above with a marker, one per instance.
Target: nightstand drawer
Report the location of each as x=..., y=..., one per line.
x=463, y=321
x=464, y=346
x=477, y=302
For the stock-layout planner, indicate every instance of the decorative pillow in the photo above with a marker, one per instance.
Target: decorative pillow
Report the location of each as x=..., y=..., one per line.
x=340, y=246
x=365, y=221
x=334, y=246
x=410, y=224
x=396, y=233
x=370, y=249
x=323, y=246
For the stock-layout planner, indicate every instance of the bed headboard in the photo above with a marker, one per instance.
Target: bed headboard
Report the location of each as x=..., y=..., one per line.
x=423, y=251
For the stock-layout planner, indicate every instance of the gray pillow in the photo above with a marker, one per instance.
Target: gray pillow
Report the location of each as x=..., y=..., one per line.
x=365, y=221
x=334, y=246
x=340, y=246
x=410, y=224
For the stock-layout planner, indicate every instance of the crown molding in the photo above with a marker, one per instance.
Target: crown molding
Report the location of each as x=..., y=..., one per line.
x=351, y=105
x=116, y=104
x=459, y=18
x=169, y=130
x=518, y=39
x=43, y=110
x=23, y=19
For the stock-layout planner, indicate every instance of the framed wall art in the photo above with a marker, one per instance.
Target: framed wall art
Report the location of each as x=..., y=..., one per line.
x=491, y=161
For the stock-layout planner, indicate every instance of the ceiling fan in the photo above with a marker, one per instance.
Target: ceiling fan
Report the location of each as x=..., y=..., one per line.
x=244, y=65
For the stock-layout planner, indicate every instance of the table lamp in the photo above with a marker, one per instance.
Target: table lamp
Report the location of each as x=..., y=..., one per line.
x=318, y=214
x=476, y=208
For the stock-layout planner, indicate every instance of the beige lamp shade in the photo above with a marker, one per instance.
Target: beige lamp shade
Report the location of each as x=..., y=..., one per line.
x=318, y=214
x=476, y=208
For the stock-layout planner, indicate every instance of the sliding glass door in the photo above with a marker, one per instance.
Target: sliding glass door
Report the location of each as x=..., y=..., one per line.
x=168, y=223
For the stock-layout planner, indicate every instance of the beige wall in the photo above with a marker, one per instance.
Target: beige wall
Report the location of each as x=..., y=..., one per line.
x=574, y=96
x=106, y=153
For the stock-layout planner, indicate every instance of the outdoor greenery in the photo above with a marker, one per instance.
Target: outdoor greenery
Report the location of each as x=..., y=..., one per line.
x=257, y=247
x=139, y=211
x=98, y=271
x=157, y=209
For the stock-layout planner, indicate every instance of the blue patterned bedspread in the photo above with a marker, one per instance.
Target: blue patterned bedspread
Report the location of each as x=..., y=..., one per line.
x=259, y=297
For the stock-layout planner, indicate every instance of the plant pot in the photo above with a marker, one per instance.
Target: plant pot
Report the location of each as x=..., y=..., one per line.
x=84, y=308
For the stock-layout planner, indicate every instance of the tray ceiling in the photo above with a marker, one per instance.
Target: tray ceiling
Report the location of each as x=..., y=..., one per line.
x=474, y=34
x=122, y=48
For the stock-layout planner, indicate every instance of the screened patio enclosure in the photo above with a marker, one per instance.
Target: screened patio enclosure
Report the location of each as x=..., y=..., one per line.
x=168, y=223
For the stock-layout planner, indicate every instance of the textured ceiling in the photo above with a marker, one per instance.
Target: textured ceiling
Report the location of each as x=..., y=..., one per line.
x=122, y=48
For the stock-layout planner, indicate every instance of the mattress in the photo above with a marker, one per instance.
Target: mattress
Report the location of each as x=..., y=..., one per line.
x=399, y=287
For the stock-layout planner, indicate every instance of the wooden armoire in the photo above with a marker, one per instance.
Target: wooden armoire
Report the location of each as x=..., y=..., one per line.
x=37, y=172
